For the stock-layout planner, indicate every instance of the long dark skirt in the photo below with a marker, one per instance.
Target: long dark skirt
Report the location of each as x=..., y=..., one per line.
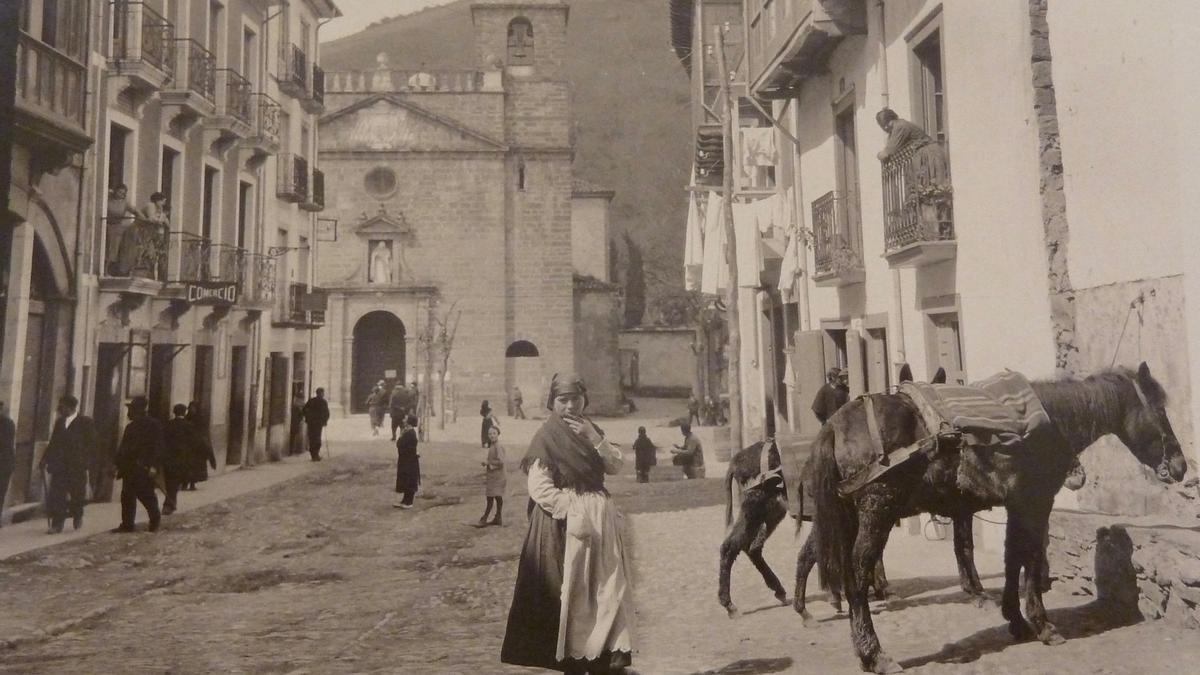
x=408, y=472
x=531, y=637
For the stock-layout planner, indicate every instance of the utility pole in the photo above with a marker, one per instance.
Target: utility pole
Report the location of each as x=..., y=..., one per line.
x=735, y=340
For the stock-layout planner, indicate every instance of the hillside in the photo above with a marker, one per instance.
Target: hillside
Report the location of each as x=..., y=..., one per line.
x=631, y=106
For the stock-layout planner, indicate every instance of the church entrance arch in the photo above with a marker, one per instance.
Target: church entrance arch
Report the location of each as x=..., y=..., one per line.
x=378, y=355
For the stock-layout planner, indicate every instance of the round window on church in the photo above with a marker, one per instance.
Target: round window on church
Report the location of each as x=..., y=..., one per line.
x=380, y=182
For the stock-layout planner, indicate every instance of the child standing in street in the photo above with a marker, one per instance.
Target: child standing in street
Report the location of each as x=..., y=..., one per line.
x=496, y=479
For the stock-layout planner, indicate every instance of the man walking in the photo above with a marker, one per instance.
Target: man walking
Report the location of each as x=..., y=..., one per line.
x=181, y=446
x=8, y=436
x=690, y=455
x=139, y=460
x=316, y=416
x=831, y=396
x=518, y=400
x=693, y=410
x=66, y=460
x=398, y=407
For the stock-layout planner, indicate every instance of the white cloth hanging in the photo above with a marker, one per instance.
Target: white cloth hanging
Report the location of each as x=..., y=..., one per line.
x=758, y=146
x=693, y=248
x=790, y=265
x=765, y=213
x=715, y=273
x=749, y=255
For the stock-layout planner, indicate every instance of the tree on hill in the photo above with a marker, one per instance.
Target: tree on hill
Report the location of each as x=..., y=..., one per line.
x=635, y=283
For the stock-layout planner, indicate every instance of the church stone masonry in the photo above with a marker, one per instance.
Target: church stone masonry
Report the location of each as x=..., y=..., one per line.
x=452, y=187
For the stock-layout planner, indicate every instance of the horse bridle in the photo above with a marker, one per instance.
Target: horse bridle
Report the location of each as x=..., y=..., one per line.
x=1163, y=470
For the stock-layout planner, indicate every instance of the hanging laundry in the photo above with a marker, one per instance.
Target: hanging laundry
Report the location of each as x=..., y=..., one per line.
x=789, y=267
x=765, y=210
x=693, y=247
x=749, y=257
x=783, y=208
x=715, y=275
x=758, y=146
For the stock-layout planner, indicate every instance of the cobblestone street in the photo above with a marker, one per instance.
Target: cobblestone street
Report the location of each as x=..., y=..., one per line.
x=320, y=574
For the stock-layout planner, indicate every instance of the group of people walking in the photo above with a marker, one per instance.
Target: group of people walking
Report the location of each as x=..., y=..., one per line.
x=399, y=403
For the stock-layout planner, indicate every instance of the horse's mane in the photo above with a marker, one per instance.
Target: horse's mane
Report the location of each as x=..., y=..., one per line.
x=1085, y=409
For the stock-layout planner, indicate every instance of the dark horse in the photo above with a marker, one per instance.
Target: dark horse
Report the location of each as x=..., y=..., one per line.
x=761, y=510
x=853, y=530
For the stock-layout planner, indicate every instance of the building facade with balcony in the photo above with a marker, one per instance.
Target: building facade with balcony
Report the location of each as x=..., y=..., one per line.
x=46, y=138
x=1004, y=232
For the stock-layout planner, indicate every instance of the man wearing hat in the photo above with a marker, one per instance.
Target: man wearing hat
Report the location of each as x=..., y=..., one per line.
x=71, y=442
x=832, y=395
x=139, y=459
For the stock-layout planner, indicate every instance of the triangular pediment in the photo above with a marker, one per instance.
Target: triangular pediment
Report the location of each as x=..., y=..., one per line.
x=386, y=123
x=383, y=225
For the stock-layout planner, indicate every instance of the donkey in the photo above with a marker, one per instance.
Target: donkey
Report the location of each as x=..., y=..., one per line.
x=761, y=510
x=853, y=530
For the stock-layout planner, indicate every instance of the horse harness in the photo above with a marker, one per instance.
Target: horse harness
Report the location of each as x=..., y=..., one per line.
x=1163, y=468
x=884, y=461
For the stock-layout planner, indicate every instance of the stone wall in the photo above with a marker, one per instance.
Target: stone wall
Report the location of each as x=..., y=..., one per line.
x=666, y=362
x=597, y=322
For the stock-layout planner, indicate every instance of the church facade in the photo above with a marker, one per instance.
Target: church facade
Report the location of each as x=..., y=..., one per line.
x=453, y=194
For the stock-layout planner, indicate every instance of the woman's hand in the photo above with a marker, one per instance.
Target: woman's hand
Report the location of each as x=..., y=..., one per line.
x=585, y=429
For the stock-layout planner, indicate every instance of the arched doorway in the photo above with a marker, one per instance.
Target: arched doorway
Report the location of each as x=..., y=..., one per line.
x=378, y=348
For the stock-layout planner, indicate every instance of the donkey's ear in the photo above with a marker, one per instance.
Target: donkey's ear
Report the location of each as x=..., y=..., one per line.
x=1144, y=371
x=939, y=377
x=905, y=373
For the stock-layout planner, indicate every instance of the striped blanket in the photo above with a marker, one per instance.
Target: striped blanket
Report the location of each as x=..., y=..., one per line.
x=1002, y=410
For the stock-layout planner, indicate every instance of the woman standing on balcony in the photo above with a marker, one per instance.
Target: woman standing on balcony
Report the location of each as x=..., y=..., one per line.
x=119, y=214
x=928, y=174
x=140, y=247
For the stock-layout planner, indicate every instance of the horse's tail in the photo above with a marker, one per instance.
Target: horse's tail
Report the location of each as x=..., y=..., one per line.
x=835, y=521
x=729, y=496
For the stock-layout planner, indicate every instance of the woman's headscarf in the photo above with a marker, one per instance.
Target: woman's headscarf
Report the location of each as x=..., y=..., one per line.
x=485, y=408
x=566, y=383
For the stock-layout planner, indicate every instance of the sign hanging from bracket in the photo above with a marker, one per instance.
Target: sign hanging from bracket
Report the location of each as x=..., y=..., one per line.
x=327, y=229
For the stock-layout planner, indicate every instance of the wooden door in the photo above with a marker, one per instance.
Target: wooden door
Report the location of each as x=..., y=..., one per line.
x=947, y=345
x=237, y=406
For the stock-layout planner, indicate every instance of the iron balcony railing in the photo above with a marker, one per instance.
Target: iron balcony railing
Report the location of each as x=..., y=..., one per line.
x=235, y=96
x=258, y=288
x=50, y=82
x=316, y=195
x=134, y=248
x=198, y=259
x=293, y=178
x=142, y=35
x=300, y=306
x=266, y=111
x=318, y=85
x=915, y=210
x=837, y=235
x=293, y=71
x=196, y=69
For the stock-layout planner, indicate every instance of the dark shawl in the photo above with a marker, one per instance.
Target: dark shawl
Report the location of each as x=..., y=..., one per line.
x=644, y=452
x=572, y=462
x=408, y=463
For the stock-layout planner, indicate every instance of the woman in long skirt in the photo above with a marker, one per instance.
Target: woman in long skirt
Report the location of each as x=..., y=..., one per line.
x=572, y=606
x=495, y=479
x=408, y=464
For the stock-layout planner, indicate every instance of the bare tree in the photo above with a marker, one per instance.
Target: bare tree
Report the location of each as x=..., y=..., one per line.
x=443, y=342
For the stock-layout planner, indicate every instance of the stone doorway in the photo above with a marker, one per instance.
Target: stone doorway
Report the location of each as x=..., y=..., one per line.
x=379, y=354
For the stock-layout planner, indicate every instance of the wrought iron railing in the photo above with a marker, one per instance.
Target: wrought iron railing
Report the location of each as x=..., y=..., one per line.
x=266, y=117
x=49, y=81
x=915, y=208
x=318, y=84
x=235, y=95
x=293, y=69
x=293, y=178
x=259, y=281
x=196, y=69
x=134, y=248
x=837, y=235
x=317, y=198
x=141, y=34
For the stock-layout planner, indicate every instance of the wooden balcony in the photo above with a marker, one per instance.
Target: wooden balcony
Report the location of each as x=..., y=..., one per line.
x=790, y=40
x=51, y=89
x=234, y=117
x=299, y=306
x=264, y=136
x=316, y=195
x=918, y=218
x=293, y=72
x=143, y=48
x=314, y=101
x=292, y=179
x=193, y=92
x=837, y=249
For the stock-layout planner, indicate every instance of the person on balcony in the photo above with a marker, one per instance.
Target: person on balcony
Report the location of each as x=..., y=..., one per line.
x=118, y=216
x=927, y=176
x=142, y=241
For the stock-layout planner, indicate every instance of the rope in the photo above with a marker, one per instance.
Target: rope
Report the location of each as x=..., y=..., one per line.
x=1136, y=304
x=990, y=522
x=1117, y=349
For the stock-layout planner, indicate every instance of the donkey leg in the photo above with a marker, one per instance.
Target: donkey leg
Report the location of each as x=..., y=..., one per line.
x=804, y=564
x=964, y=553
x=1035, y=610
x=873, y=532
x=774, y=513
x=1014, y=557
x=735, y=542
x=880, y=581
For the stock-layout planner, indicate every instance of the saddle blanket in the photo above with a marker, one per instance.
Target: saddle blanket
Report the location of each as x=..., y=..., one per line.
x=1002, y=410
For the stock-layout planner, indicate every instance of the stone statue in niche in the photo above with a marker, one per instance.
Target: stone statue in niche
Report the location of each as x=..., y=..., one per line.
x=379, y=263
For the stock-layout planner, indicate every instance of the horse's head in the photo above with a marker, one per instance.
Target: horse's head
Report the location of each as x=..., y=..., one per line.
x=1148, y=432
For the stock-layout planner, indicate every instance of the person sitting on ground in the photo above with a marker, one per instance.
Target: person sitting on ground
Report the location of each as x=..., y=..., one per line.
x=408, y=464
x=690, y=455
x=645, y=455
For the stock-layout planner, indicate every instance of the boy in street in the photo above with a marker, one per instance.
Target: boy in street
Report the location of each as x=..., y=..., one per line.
x=690, y=455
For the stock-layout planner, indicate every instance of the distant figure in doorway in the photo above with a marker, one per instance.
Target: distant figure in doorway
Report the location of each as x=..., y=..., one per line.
x=489, y=421
x=693, y=410
x=181, y=441
x=316, y=416
x=408, y=464
x=139, y=460
x=495, y=479
x=8, y=460
x=518, y=403
x=831, y=396
x=376, y=403
x=202, y=451
x=690, y=455
x=66, y=460
x=645, y=455
x=398, y=407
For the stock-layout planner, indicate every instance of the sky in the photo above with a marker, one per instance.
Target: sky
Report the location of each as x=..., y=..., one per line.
x=357, y=14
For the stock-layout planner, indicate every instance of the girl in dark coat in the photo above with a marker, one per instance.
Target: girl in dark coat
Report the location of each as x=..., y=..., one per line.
x=408, y=464
x=203, y=447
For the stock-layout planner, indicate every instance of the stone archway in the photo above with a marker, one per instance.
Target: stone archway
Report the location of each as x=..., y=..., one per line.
x=378, y=348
